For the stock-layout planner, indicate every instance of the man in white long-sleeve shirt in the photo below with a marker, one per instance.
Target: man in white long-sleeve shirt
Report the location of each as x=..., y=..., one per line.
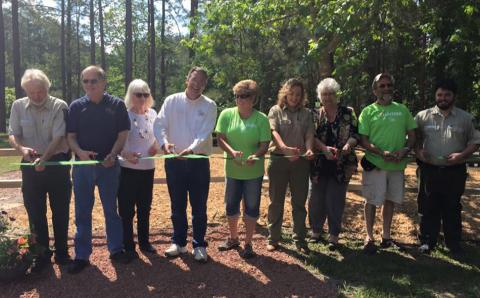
x=184, y=126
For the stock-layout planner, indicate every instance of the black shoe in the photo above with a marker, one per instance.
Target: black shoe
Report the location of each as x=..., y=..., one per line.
x=386, y=243
x=229, y=244
x=332, y=246
x=131, y=255
x=120, y=257
x=77, y=266
x=248, y=252
x=370, y=248
x=302, y=248
x=40, y=263
x=62, y=259
x=148, y=248
x=315, y=238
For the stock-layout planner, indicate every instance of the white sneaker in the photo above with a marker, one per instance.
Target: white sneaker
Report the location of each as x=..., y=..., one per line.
x=424, y=249
x=200, y=254
x=175, y=250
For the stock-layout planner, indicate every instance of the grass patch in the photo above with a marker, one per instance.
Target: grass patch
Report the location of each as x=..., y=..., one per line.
x=391, y=273
x=6, y=164
x=4, y=141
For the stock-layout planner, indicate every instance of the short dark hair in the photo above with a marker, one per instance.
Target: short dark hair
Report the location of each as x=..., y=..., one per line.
x=199, y=69
x=446, y=84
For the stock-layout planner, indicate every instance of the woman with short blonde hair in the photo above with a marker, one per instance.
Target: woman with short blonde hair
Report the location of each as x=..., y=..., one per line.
x=136, y=176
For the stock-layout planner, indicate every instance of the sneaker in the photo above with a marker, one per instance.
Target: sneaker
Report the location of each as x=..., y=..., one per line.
x=302, y=248
x=424, y=249
x=148, y=248
x=370, y=248
x=175, y=250
x=248, y=252
x=386, y=243
x=229, y=244
x=315, y=238
x=456, y=250
x=77, y=266
x=200, y=254
x=121, y=257
x=272, y=247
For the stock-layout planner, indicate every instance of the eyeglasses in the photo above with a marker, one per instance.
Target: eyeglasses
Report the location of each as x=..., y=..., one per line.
x=146, y=95
x=385, y=85
x=323, y=94
x=242, y=96
x=92, y=81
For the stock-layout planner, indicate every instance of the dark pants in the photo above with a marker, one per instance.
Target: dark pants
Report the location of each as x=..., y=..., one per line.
x=135, y=190
x=441, y=189
x=54, y=181
x=188, y=177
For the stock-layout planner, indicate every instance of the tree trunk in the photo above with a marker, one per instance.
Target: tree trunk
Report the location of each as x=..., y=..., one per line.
x=3, y=114
x=102, y=35
x=62, y=52
x=16, y=50
x=152, y=53
x=193, y=30
x=78, y=63
x=92, y=33
x=163, y=75
x=128, y=43
x=68, y=52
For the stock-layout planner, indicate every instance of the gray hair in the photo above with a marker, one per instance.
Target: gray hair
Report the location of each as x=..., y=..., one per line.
x=37, y=75
x=135, y=86
x=97, y=69
x=380, y=76
x=327, y=84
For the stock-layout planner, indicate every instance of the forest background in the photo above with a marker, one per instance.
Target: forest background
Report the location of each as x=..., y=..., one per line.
x=418, y=41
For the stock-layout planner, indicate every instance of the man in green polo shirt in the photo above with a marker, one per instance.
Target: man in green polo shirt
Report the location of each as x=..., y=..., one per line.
x=383, y=126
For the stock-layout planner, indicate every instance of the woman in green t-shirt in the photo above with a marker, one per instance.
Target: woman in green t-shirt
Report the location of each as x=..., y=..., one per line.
x=243, y=133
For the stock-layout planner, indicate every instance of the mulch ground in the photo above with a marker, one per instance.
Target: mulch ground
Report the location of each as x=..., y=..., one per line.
x=226, y=274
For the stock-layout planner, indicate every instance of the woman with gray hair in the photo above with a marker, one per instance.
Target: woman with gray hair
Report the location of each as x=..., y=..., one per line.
x=336, y=137
x=136, y=176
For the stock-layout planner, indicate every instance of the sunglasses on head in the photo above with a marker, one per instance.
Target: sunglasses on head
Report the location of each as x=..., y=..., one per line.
x=92, y=81
x=242, y=96
x=146, y=95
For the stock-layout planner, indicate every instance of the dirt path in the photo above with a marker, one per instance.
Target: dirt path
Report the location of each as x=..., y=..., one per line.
x=226, y=274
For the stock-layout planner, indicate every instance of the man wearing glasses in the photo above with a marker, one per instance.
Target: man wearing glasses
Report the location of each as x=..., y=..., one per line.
x=383, y=126
x=184, y=126
x=97, y=127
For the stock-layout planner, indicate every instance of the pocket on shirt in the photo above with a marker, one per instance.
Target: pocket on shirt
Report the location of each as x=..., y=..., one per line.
x=28, y=129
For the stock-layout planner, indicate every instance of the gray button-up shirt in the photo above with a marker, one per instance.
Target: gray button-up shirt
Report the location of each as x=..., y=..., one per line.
x=440, y=136
x=37, y=126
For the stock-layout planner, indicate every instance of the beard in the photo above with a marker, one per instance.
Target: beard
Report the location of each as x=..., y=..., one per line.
x=444, y=105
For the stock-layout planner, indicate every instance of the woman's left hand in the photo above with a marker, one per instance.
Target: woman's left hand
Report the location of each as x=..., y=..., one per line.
x=346, y=149
x=153, y=150
x=309, y=154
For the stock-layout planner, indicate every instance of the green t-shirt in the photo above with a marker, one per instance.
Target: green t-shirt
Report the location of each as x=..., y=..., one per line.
x=386, y=128
x=244, y=135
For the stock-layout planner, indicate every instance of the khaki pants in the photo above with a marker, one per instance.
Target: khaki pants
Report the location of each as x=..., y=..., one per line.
x=282, y=172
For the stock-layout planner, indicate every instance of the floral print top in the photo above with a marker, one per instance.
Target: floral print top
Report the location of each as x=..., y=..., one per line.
x=336, y=134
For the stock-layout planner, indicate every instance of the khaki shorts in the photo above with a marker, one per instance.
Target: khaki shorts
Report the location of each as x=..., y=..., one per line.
x=380, y=185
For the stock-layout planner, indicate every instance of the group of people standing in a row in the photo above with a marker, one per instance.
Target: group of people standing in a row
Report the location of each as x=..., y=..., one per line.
x=312, y=154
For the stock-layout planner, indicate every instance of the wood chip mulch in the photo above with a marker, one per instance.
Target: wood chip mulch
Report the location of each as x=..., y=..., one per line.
x=226, y=274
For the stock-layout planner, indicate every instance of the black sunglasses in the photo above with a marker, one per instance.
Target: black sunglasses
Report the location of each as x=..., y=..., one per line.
x=242, y=96
x=92, y=81
x=146, y=95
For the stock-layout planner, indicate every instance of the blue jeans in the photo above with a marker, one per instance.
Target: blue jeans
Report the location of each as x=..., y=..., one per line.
x=249, y=189
x=84, y=180
x=188, y=177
